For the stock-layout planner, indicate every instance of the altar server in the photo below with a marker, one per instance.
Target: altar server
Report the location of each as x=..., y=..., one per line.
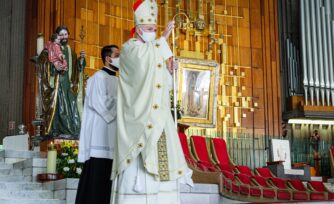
x=98, y=131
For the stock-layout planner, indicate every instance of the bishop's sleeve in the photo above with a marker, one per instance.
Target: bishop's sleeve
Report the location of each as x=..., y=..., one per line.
x=164, y=48
x=166, y=53
x=102, y=100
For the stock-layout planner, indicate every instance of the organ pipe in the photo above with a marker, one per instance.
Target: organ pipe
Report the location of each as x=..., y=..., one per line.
x=288, y=50
x=314, y=49
x=330, y=51
x=325, y=52
x=319, y=42
x=317, y=55
x=309, y=52
x=303, y=39
x=332, y=82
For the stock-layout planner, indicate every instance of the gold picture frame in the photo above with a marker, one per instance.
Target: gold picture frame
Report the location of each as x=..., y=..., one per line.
x=197, y=91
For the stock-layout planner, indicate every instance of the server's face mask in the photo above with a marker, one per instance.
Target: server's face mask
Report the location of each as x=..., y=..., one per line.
x=115, y=62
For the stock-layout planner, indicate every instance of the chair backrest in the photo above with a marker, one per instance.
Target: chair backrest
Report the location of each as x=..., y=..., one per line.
x=184, y=144
x=264, y=172
x=317, y=185
x=243, y=169
x=225, y=167
x=219, y=150
x=278, y=182
x=245, y=179
x=260, y=181
x=198, y=144
x=228, y=175
x=297, y=185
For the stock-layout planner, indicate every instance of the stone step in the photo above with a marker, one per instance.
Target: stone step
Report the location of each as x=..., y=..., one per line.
x=14, y=172
x=4, y=165
x=33, y=194
x=11, y=178
x=23, y=154
x=5, y=171
x=31, y=201
x=21, y=186
x=200, y=194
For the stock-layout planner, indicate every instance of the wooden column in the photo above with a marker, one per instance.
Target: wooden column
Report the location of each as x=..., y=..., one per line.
x=12, y=14
x=265, y=63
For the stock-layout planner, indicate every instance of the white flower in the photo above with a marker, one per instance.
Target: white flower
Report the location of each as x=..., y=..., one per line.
x=79, y=170
x=66, y=168
x=71, y=161
x=64, y=154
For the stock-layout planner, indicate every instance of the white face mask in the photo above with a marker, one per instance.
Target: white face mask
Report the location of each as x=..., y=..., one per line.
x=148, y=36
x=115, y=62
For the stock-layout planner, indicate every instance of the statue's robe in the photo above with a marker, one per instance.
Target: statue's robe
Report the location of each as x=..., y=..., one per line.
x=62, y=94
x=149, y=163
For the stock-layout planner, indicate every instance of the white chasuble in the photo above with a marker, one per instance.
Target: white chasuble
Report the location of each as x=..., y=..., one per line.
x=143, y=115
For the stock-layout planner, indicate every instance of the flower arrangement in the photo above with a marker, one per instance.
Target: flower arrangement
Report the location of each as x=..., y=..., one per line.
x=67, y=160
x=179, y=109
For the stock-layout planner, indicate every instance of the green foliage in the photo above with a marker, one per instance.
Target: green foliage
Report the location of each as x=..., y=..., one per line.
x=67, y=160
x=179, y=109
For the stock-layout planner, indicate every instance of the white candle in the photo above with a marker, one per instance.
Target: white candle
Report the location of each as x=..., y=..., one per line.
x=40, y=43
x=52, y=159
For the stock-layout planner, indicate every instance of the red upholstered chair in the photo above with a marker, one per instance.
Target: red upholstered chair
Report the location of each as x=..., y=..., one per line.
x=243, y=170
x=187, y=154
x=318, y=186
x=267, y=191
x=220, y=154
x=201, y=153
x=230, y=183
x=264, y=172
x=299, y=191
x=185, y=148
x=283, y=192
x=246, y=186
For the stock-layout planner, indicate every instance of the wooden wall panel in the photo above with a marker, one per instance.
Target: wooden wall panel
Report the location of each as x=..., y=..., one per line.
x=252, y=43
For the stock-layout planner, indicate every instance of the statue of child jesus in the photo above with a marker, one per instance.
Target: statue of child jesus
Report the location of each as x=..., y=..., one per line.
x=56, y=56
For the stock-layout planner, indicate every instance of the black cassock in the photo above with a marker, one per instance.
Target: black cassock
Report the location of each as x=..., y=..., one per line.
x=95, y=184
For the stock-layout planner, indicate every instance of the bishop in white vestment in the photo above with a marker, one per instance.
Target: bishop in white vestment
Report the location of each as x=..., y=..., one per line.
x=98, y=131
x=149, y=163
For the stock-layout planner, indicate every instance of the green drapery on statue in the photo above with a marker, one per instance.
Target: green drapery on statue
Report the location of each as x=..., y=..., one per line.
x=62, y=95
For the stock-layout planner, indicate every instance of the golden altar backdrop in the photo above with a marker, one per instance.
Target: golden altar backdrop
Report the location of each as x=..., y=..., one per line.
x=240, y=35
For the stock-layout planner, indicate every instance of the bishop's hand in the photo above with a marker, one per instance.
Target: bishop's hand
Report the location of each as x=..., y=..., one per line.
x=172, y=63
x=169, y=29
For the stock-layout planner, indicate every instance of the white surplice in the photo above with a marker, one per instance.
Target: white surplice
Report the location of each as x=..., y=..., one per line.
x=143, y=114
x=98, y=128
